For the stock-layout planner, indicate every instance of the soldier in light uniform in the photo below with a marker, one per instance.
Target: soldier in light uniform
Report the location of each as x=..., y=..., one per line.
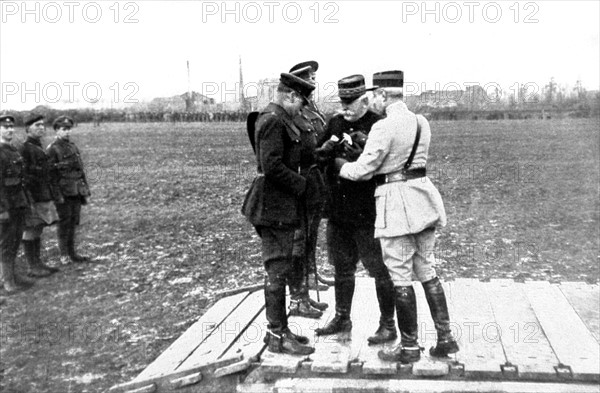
x=311, y=123
x=66, y=160
x=409, y=208
x=40, y=182
x=14, y=207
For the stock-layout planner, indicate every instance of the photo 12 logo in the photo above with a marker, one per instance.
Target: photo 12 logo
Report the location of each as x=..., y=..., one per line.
x=68, y=92
x=471, y=11
x=269, y=11
x=69, y=11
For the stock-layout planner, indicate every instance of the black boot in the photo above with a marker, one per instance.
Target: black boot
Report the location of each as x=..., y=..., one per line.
x=341, y=323
x=283, y=342
x=301, y=339
x=71, y=247
x=436, y=298
x=406, y=311
x=33, y=270
x=38, y=257
x=300, y=305
x=7, y=277
x=387, y=326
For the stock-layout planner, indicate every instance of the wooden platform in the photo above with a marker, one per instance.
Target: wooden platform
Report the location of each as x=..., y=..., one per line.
x=512, y=337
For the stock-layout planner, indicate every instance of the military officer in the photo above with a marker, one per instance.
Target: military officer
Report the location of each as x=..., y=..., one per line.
x=14, y=205
x=66, y=160
x=409, y=209
x=41, y=185
x=350, y=228
x=274, y=204
x=311, y=123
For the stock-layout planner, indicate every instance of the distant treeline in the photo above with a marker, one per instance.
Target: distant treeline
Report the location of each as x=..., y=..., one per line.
x=583, y=106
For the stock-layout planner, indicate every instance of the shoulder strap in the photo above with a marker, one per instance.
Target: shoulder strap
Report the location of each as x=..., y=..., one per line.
x=414, y=148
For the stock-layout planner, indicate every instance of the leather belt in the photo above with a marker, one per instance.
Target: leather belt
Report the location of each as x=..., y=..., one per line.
x=402, y=175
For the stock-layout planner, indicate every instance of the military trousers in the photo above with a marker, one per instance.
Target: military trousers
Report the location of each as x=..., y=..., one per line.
x=277, y=248
x=348, y=243
x=69, y=214
x=11, y=232
x=410, y=255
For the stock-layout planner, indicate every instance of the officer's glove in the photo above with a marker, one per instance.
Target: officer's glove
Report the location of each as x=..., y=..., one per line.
x=326, y=151
x=359, y=138
x=352, y=151
x=338, y=163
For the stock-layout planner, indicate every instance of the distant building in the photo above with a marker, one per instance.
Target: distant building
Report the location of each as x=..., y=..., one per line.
x=182, y=103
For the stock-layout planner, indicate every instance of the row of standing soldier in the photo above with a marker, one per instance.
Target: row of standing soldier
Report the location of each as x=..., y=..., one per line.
x=38, y=188
x=294, y=148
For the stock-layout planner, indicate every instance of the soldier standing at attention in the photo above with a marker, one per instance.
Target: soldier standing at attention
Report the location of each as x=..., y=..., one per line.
x=350, y=228
x=409, y=208
x=14, y=206
x=274, y=202
x=311, y=123
x=68, y=166
x=41, y=185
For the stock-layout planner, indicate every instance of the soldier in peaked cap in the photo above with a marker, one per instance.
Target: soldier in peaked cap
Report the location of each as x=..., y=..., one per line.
x=409, y=208
x=14, y=205
x=68, y=168
x=41, y=184
x=350, y=228
x=311, y=123
x=273, y=204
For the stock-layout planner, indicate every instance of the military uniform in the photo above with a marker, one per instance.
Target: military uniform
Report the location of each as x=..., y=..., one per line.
x=68, y=167
x=40, y=182
x=274, y=206
x=350, y=225
x=14, y=206
x=311, y=123
x=408, y=208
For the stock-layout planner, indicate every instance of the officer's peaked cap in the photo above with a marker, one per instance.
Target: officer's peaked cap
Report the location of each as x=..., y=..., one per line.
x=62, y=121
x=389, y=79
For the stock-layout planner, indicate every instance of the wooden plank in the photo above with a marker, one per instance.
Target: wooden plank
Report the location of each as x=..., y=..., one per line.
x=366, y=314
x=585, y=300
x=338, y=385
x=227, y=332
x=522, y=338
x=477, y=336
x=570, y=339
x=332, y=353
x=181, y=348
x=251, y=341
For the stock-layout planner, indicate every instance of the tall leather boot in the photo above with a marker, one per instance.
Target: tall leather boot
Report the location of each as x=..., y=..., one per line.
x=299, y=300
x=71, y=247
x=62, y=232
x=33, y=270
x=436, y=298
x=344, y=292
x=279, y=339
x=387, y=304
x=406, y=311
x=38, y=257
x=8, y=278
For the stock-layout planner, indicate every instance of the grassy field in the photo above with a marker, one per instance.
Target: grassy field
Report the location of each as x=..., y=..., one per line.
x=164, y=227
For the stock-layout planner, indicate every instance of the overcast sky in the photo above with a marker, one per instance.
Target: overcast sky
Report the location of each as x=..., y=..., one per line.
x=138, y=50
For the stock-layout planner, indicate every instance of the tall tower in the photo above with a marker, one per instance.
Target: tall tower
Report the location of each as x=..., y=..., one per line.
x=243, y=104
x=189, y=99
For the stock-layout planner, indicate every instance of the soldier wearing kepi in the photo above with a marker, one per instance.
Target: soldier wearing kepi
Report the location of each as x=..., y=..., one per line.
x=73, y=185
x=14, y=205
x=350, y=229
x=311, y=123
x=40, y=182
x=274, y=204
x=409, y=208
